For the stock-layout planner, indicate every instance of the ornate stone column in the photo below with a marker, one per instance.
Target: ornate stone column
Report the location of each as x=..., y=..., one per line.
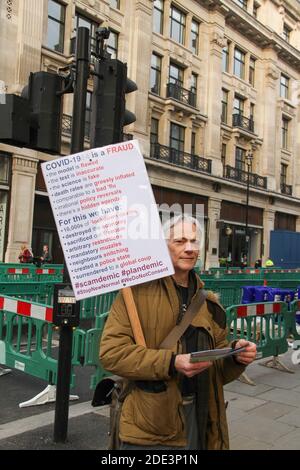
x=29, y=40
x=24, y=172
x=140, y=58
x=214, y=102
x=271, y=126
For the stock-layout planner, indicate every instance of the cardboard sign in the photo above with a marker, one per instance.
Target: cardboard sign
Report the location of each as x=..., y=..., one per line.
x=107, y=219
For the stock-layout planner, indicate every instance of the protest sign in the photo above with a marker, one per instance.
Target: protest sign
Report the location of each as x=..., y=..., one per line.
x=107, y=219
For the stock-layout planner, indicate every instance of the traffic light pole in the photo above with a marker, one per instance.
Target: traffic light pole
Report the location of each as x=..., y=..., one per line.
x=80, y=93
x=63, y=383
x=65, y=327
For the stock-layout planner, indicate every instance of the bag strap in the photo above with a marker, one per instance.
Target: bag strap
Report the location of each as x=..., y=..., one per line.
x=178, y=330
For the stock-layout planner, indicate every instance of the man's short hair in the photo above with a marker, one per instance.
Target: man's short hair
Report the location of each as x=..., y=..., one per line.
x=175, y=220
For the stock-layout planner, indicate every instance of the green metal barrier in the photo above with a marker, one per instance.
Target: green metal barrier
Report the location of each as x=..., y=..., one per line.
x=41, y=292
x=29, y=272
x=265, y=324
x=229, y=290
x=26, y=342
x=94, y=306
x=92, y=344
x=291, y=327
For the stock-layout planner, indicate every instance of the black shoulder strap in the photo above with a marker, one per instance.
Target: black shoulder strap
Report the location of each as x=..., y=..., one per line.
x=178, y=330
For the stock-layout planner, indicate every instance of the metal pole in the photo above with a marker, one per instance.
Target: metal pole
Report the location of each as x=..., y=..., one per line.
x=66, y=331
x=63, y=384
x=248, y=161
x=80, y=93
x=247, y=209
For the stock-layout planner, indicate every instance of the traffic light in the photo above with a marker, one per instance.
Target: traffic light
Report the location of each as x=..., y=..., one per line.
x=44, y=93
x=14, y=120
x=109, y=114
x=34, y=119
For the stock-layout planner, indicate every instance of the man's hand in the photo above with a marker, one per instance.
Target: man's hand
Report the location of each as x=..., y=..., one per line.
x=247, y=356
x=187, y=368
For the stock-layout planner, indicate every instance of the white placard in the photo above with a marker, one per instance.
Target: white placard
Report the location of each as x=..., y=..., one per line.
x=107, y=219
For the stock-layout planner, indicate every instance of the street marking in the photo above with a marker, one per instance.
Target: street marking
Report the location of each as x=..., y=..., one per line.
x=31, y=423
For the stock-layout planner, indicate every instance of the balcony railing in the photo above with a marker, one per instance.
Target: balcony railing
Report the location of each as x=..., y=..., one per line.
x=238, y=120
x=67, y=127
x=286, y=189
x=241, y=176
x=182, y=159
x=181, y=94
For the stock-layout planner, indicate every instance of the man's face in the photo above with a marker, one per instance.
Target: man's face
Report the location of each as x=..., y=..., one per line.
x=184, y=246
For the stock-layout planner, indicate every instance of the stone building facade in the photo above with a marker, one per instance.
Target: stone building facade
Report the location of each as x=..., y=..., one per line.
x=217, y=111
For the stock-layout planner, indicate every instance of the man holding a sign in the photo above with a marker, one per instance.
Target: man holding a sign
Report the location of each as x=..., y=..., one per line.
x=175, y=402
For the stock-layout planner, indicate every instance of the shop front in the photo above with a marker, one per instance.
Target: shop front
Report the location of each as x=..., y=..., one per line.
x=236, y=240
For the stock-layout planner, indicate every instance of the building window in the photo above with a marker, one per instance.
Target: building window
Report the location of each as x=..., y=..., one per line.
x=255, y=9
x=224, y=106
x=83, y=21
x=154, y=131
x=193, y=90
x=177, y=137
x=155, y=77
x=239, y=63
x=238, y=105
x=240, y=158
x=115, y=4
x=284, y=86
x=158, y=16
x=285, y=133
x=243, y=4
x=4, y=168
x=195, y=37
x=112, y=44
x=283, y=174
x=223, y=154
x=56, y=26
x=177, y=27
x=176, y=75
x=252, y=71
x=225, y=58
x=286, y=33
x=252, y=110
x=193, y=143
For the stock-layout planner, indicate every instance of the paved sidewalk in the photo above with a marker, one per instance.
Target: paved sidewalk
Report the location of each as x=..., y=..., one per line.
x=263, y=417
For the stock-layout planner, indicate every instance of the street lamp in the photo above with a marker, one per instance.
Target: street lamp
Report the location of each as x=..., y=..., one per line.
x=248, y=161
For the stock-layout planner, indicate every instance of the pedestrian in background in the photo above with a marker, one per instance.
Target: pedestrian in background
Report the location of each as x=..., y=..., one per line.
x=25, y=255
x=269, y=263
x=46, y=257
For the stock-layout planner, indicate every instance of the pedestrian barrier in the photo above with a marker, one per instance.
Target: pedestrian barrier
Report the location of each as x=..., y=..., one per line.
x=40, y=292
x=265, y=324
x=293, y=319
x=91, y=357
x=26, y=331
x=94, y=306
x=29, y=272
x=229, y=290
x=27, y=345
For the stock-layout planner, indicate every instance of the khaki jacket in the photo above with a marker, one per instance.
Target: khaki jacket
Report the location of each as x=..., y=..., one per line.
x=157, y=418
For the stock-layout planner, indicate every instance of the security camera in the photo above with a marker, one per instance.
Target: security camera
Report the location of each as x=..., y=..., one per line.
x=103, y=33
